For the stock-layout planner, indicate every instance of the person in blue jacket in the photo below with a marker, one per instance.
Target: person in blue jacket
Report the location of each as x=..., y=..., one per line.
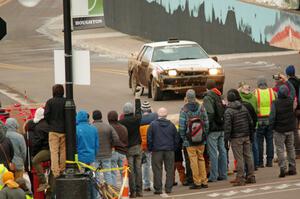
x=87, y=142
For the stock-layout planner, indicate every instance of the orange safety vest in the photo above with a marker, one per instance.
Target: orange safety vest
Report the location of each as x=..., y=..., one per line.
x=265, y=97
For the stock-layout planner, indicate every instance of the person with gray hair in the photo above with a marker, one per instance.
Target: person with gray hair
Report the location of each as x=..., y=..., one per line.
x=132, y=121
x=162, y=141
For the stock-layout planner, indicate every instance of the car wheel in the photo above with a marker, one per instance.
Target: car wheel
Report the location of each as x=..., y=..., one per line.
x=157, y=94
x=133, y=83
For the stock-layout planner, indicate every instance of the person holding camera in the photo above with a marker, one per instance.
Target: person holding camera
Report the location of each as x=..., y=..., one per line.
x=282, y=123
x=132, y=121
x=265, y=97
x=293, y=79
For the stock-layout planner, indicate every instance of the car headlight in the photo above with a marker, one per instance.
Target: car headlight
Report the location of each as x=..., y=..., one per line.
x=213, y=71
x=172, y=72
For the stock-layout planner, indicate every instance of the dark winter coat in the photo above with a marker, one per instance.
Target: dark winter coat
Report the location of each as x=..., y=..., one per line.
x=10, y=193
x=55, y=114
x=282, y=117
x=132, y=123
x=40, y=137
x=209, y=101
x=238, y=122
x=162, y=136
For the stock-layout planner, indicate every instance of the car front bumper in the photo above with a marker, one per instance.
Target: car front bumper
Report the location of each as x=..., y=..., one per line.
x=182, y=83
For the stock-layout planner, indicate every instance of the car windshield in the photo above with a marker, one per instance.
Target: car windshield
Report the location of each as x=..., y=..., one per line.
x=178, y=52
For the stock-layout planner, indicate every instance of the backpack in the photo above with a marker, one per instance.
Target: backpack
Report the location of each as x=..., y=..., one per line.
x=195, y=127
x=195, y=130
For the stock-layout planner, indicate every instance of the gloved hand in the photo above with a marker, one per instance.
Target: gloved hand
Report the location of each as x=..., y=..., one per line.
x=138, y=92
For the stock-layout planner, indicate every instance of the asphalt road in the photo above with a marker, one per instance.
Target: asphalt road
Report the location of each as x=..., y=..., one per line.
x=26, y=69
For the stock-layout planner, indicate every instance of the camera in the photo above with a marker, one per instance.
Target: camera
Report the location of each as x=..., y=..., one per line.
x=276, y=77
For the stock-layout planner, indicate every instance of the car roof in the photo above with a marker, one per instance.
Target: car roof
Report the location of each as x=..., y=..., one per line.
x=166, y=43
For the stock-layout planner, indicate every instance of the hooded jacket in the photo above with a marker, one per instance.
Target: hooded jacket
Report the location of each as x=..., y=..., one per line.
x=209, y=101
x=162, y=136
x=238, y=122
x=132, y=122
x=121, y=131
x=191, y=109
x=250, y=98
x=55, y=114
x=86, y=139
x=40, y=137
x=282, y=117
x=18, y=143
x=6, y=148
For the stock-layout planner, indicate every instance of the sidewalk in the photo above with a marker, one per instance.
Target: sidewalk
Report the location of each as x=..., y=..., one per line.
x=114, y=44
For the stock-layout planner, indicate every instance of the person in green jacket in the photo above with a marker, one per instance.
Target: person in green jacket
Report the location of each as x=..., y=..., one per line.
x=247, y=96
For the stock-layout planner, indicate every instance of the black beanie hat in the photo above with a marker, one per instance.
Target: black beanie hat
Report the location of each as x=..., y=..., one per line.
x=233, y=95
x=97, y=115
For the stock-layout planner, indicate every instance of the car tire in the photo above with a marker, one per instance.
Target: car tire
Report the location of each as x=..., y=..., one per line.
x=133, y=83
x=156, y=93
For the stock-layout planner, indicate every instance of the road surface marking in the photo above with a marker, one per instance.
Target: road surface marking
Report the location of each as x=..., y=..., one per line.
x=297, y=184
x=248, y=190
x=213, y=195
x=234, y=188
x=283, y=186
x=266, y=188
x=112, y=71
x=263, y=193
x=230, y=193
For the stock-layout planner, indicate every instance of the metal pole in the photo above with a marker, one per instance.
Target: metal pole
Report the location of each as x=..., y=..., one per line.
x=70, y=109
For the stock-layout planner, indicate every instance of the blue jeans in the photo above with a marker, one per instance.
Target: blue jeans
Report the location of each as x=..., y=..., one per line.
x=106, y=164
x=146, y=171
x=116, y=161
x=264, y=132
x=217, y=155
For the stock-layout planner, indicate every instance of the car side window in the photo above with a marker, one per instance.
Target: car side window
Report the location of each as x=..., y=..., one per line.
x=147, y=55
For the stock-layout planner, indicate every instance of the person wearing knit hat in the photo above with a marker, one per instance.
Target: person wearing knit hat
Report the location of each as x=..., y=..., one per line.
x=11, y=189
x=162, y=141
x=146, y=107
x=132, y=120
x=197, y=163
x=238, y=129
x=290, y=70
x=190, y=95
x=147, y=117
x=213, y=104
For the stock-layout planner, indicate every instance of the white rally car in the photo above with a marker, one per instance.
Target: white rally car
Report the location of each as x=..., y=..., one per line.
x=173, y=65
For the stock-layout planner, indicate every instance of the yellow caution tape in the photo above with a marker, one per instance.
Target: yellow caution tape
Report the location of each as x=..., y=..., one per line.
x=81, y=164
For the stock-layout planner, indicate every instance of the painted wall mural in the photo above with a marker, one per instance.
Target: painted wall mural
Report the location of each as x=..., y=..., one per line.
x=248, y=17
x=253, y=26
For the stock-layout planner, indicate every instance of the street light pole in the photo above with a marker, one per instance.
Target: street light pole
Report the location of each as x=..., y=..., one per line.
x=72, y=184
x=70, y=108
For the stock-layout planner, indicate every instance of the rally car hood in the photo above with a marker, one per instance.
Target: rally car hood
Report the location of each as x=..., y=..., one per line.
x=194, y=64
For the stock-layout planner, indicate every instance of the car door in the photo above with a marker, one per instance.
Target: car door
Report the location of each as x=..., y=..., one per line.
x=144, y=65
